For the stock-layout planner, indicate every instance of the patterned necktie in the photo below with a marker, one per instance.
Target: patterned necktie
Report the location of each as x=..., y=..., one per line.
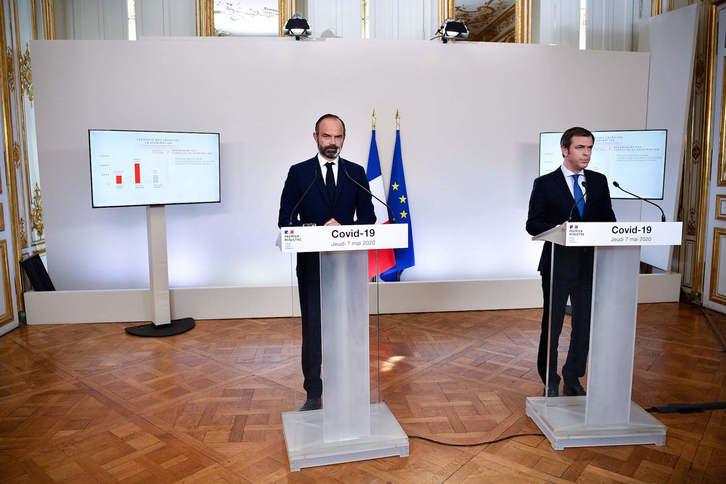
x=330, y=180
x=577, y=191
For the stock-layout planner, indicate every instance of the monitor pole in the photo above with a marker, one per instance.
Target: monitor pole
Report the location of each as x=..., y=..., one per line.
x=161, y=323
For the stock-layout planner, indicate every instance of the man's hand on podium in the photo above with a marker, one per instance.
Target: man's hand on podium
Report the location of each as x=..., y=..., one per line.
x=332, y=221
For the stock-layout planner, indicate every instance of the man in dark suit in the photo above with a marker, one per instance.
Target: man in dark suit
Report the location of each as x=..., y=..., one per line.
x=321, y=191
x=569, y=193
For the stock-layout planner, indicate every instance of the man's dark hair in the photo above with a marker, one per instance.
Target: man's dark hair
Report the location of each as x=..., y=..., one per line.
x=566, y=139
x=326, y=116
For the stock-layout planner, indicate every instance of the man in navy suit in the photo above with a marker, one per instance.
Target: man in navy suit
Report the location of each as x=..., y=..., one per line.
x=569, y=193
x=324, y=190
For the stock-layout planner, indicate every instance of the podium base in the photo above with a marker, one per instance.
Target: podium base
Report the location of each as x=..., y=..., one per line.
x=306, y=448
x=563, y=423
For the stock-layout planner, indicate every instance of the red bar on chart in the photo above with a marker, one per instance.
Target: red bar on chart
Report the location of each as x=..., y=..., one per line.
x=137, y=172
x=119, y=179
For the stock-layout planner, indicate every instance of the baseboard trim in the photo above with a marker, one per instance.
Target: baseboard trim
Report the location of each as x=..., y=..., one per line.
x=131, y=305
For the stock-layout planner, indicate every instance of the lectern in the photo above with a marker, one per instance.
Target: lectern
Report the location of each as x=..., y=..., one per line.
x=606, y=415
x=348, y=427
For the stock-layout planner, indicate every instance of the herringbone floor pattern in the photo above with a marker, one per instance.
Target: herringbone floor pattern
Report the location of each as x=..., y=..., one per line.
x=88, y=403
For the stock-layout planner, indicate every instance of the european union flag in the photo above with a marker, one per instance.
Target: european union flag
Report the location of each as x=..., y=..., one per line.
x=400, y=212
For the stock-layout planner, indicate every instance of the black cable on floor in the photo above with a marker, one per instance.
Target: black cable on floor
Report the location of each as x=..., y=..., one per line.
x=687, y=407
x=451, y=444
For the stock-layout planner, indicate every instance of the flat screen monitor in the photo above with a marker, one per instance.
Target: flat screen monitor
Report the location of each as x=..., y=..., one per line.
x=635, y=159
x=130, y=168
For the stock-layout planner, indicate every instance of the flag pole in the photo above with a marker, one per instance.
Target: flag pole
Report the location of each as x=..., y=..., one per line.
x=398, y=120
x=373, y=119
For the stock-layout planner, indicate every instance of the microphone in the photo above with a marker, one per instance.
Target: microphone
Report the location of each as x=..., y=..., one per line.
x=390, y=210
x=315, y=177
x=569, y=219
x=662, y=214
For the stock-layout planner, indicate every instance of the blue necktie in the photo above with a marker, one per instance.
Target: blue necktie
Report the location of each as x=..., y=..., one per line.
x=577, y=191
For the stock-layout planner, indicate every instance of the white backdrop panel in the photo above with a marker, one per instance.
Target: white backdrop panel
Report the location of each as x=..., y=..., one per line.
x=471, y=114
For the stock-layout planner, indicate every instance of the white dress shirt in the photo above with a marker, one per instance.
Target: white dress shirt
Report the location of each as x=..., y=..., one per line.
x=571, y=181
x=324, y=169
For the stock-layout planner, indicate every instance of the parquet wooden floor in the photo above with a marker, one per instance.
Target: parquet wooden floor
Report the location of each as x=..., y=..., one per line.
x=88, y=403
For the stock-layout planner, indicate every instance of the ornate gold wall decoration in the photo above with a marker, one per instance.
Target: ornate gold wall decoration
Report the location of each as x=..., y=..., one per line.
x=26, y=75
x=10, y=61
x=36, y=214
x=2, y=217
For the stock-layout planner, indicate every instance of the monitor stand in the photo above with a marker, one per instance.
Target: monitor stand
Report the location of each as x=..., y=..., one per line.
x=161, y=323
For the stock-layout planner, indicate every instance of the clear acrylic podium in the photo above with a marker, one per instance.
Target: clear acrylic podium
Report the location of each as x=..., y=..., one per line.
x=348, y=427
x=606, y=415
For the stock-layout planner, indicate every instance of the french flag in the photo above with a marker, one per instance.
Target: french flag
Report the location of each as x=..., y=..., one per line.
x=386, y=257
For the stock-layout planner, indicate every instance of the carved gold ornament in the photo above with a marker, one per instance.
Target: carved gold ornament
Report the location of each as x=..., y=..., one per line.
x=36, y=214
x=691, y=225
x=26, y=74
x=16, y=153
x=10, y=61
x=23, y=235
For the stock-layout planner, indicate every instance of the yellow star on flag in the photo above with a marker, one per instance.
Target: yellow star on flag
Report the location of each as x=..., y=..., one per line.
x=395, y=186
x=403, y=198
x=403, y=214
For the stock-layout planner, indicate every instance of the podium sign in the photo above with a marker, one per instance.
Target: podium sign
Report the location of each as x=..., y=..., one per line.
x=343, y=237
x=613, y=234
x=624, y=233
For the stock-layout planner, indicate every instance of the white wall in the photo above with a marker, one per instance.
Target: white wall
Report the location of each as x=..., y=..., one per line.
x=469, y=144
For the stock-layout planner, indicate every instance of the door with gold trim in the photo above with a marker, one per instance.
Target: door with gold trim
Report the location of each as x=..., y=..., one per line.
x=8, y=302
x=714, y=284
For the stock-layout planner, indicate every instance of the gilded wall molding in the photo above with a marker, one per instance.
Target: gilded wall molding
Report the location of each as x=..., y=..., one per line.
x=48, y=10
x=714, y=295
x=35, y=19
x=720, y=212
x=2, y=217
x=9, y=314
x=705, y=166
x=10, y=169
x=285, y=10
x=205, y=18
x=721, y=180
x=694, y=201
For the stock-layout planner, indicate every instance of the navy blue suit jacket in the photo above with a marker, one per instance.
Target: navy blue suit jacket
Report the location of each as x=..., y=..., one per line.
x=350, y=200
x=550, y=204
